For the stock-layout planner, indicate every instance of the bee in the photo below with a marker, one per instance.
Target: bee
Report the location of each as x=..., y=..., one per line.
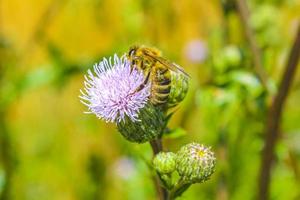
x=156, y=69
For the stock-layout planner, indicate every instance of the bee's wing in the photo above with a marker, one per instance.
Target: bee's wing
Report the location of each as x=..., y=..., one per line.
x=170, y=65
x=173, y=66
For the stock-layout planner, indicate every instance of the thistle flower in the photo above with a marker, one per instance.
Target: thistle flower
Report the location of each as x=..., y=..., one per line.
x=195, y=163
x=111, y=91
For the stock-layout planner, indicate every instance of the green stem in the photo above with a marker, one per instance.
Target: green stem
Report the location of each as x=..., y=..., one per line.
x=179, y=188
x=156, y=146
x=166, y=180
x=161, y=191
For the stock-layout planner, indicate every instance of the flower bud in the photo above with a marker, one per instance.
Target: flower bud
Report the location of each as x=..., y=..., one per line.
x=179, y=88
x=164, y=162
x=149, y=125
x=195, y=163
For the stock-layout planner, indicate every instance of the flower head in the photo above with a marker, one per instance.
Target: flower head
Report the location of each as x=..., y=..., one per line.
x=195, y=163
x=111, y=91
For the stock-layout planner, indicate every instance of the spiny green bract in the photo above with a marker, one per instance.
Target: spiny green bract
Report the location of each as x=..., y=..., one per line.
x=179, y=88
x=149, y=126
x=164, y=162
x=195, y=163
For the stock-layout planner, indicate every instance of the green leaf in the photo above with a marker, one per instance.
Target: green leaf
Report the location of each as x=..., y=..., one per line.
x=175, y=133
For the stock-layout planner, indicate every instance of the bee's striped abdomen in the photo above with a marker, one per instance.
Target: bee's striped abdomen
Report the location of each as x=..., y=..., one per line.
x=161, y=84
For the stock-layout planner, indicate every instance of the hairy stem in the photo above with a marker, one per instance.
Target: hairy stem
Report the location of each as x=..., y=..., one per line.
x=162, y=193
x=274, y=118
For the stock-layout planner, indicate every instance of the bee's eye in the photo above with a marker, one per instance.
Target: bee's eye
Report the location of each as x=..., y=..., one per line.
x=134, y=62
x=131, y=52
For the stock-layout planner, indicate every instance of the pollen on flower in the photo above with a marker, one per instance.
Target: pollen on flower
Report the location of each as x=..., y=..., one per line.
x=111, y=91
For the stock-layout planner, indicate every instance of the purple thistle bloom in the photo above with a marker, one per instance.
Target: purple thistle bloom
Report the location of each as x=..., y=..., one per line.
x=110, y=93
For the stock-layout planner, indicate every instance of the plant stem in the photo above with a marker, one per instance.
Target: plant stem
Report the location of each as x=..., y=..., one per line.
x=156, y=146
x=179, y=188
x=274, y=118
x=162, y=193
x=6, y=158
x=244, y=12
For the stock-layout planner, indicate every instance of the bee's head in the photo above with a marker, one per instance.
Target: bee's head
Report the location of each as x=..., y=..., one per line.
x=133, y=54
x=132, y=51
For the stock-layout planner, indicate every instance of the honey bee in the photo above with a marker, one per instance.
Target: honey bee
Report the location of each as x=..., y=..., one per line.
x=156, y=69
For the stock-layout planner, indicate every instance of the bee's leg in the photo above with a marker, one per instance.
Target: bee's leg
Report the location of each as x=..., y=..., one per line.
x=144, y=83
x=133, y=63
x=146, y=79
x=142, y=65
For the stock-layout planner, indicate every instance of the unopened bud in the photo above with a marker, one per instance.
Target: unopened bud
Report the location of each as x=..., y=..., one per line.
x=179, y=88
x=195, y=163
x=164, y=162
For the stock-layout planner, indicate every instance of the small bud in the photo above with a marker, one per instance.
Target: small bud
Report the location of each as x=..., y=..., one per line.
x=164, y=162
x=150, y=125
x=179, y=88
x=195, y=163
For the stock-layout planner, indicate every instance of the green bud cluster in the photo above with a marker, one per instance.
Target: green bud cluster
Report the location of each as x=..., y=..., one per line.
x=195, y=163
x=164, y=162
x=149, y=126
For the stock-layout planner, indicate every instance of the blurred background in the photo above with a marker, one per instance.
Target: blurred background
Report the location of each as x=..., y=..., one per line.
x=50, y=149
